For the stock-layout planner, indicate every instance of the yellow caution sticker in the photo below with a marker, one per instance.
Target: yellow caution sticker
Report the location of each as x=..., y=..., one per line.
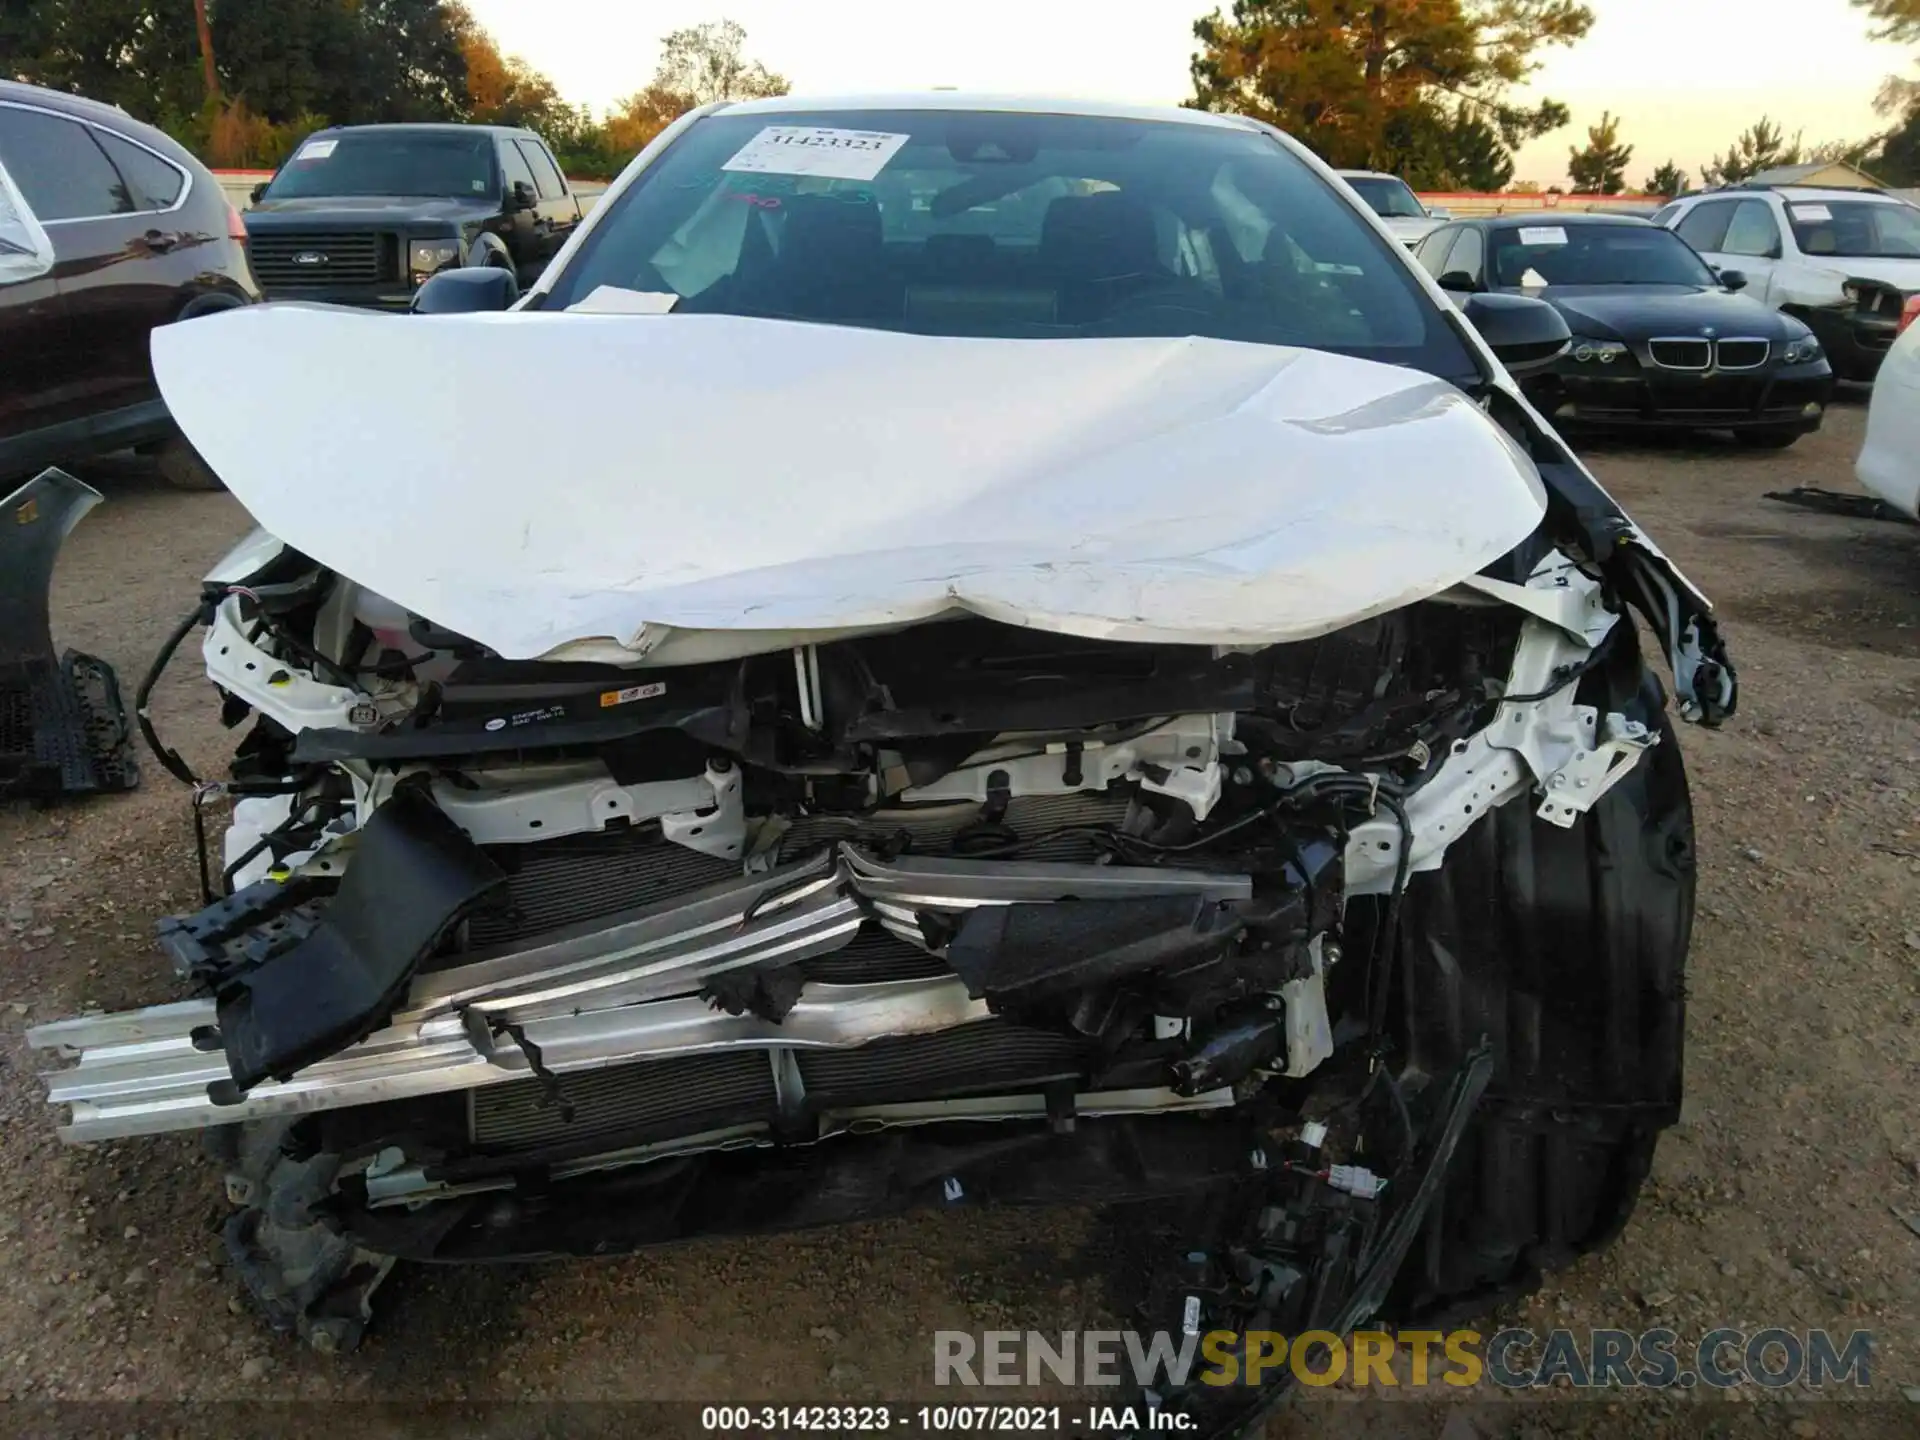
x=610, y=698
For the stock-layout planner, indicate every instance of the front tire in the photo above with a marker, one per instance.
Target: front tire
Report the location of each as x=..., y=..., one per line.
x=180, y=466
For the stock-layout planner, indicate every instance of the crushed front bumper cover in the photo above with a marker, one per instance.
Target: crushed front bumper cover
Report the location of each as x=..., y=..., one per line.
x=641, y=985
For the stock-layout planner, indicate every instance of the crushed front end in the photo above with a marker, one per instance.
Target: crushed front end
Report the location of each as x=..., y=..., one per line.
x=1365, y=948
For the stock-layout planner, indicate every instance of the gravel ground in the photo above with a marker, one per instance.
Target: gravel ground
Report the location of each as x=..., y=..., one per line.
x=1773, y=1202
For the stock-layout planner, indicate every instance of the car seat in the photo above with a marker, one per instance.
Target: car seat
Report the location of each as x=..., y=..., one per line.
x=831, y=261
x=1096, y=248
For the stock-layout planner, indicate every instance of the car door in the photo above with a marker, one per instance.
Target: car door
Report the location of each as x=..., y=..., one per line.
x=1751, y=246
x=559, y=211
x=121, y=254
x=35, y=350
x=526, y=227
x=1704, y=227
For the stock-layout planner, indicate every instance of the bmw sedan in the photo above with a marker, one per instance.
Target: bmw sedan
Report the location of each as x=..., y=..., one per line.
x=1661, y=340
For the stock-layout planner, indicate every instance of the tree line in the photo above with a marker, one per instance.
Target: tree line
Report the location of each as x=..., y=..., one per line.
x=1425, y=89
x=240, y=82
x=1892, y=155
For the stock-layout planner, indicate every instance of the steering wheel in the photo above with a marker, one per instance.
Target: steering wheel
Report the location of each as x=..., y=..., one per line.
x=1170, y=301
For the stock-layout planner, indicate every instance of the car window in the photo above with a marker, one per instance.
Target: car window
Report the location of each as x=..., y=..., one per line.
x=1664, y=214
x=1705, y=226
x=514, y=169
x=62, y=173
x=1468, y=255
x=1389, y=197
x=1876, y=228
x=1012, y=225
x=1432, y=251
x=546, y=175
x=1594, y=253
x=389, y=162
x=153, y=183
x=1752, y=230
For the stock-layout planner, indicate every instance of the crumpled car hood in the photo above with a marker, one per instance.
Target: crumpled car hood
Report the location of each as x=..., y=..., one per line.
x=553, y=484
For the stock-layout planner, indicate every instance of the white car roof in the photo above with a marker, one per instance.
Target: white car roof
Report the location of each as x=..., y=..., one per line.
x=1368, y=175
x=972, y=100
x=1833, y=192
x=1798, y=192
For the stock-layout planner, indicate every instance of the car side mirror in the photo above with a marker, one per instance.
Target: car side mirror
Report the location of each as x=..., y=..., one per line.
x=1457, y=280
x=259, y=192
x=465, y=291
x=1734, y=279
x=1524, y=333
x=520, y=196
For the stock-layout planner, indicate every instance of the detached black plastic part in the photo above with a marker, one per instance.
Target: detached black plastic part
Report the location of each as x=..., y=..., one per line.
x=63, y=729
x=414, y=875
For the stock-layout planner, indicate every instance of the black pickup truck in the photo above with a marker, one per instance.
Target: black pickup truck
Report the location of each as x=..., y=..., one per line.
x=363, y=214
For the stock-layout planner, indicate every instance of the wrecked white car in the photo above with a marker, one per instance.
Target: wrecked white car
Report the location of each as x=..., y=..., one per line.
x=1045, y=662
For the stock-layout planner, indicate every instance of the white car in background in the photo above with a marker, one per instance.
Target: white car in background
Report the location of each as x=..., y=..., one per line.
x=1842, y=261
x=1393, y=200
x=1889, y=463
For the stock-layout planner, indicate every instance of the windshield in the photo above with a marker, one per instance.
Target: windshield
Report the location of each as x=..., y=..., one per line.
x=1530, y=256
x=1855, y=227
x=1389, y=197
x=373, y=162
x=1013, y=226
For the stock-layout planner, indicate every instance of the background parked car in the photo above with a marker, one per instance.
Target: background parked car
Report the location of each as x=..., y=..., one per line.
x=1393, y=200
x=362, y=215
x=1659, y=340
x=1844, y=261
x=1890, y=460
x=141, y=235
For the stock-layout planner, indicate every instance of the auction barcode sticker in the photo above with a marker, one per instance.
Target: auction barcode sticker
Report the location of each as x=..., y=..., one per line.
x=1543, y=235
x=316, y=150
x=817, y=150
x=1811, y=214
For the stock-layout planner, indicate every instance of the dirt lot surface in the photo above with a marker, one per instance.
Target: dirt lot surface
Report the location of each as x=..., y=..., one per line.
x=1773, y=1202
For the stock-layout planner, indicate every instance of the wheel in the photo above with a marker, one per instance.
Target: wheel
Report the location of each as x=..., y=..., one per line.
x=180, y=466
x=1766, y=439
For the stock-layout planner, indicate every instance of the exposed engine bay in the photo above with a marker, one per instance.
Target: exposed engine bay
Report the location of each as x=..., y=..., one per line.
x=518, y=958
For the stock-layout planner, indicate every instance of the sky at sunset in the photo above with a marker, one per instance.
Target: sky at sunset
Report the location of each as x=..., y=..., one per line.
x=1686, y=75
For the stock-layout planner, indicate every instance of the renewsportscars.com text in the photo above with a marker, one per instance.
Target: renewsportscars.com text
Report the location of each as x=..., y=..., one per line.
x=1510, y=1359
